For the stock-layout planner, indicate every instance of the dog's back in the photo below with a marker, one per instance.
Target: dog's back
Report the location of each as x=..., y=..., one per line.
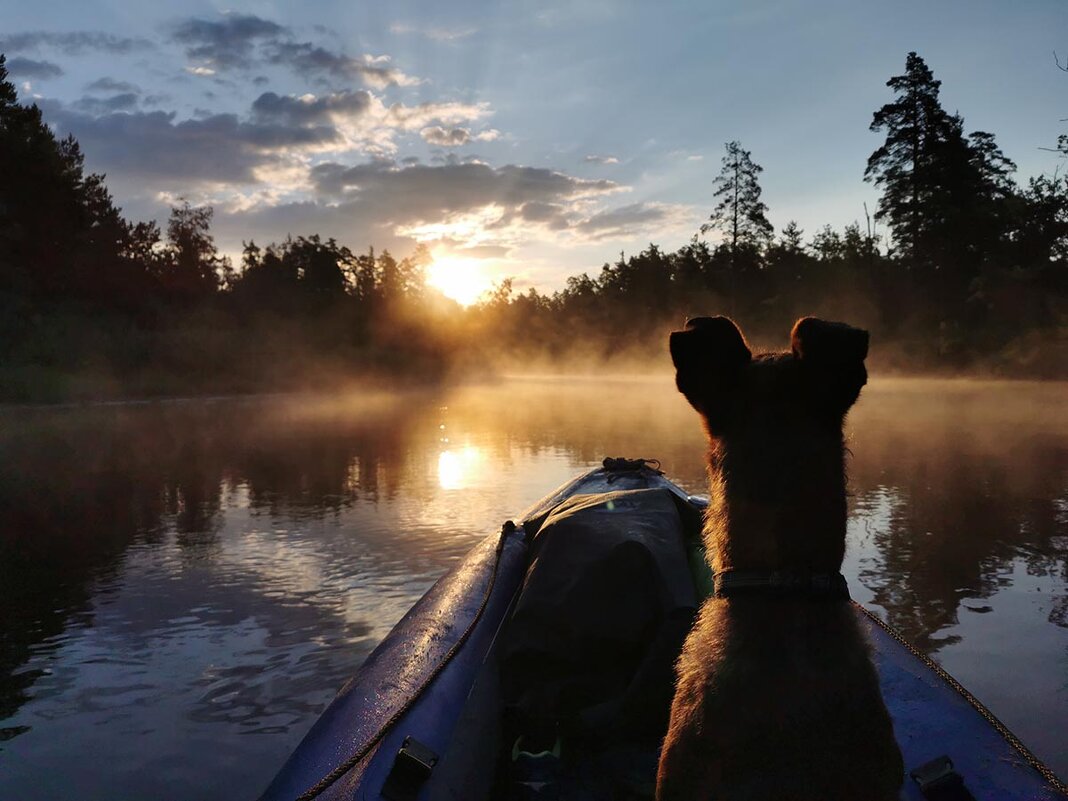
x=777, y=697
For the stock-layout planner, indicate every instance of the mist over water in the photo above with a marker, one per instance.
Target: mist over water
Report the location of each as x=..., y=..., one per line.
x=186, y=585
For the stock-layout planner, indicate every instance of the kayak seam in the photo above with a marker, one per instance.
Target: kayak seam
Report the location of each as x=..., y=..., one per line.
x=978, y=705
x=324, y=783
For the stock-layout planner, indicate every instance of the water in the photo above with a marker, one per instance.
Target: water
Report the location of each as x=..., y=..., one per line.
x=183, y=586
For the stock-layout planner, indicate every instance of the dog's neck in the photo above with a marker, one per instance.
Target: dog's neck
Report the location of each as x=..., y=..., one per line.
x=774, y=508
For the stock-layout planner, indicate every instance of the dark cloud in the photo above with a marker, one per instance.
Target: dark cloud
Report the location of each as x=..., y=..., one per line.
x=112, y=85
x=226, y=42
x=261, y=80
x=240, y=41
x=73, y=43
x=553, y=215
x=308, y=59
x=310, y=109
x=29, y=69
x=107, y=105
x=419, y=193
x=153, y=145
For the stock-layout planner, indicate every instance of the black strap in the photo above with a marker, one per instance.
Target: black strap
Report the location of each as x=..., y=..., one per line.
x=938, y=781
x=781, y=583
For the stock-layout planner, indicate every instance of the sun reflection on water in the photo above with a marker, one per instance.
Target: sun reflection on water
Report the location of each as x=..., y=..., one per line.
x=457, y=468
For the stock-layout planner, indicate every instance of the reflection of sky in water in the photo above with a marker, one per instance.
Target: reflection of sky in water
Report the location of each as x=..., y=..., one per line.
x=203, y=577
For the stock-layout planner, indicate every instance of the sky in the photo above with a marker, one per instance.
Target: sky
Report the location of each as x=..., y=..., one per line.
x=534, y=140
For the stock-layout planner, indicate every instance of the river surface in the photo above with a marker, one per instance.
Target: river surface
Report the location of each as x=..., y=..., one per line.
x=184, y=585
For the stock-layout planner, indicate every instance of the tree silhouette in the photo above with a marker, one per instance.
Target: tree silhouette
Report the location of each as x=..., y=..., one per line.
x=978, y=275
x=906, y=166
x=193, y=270
x=740, y=214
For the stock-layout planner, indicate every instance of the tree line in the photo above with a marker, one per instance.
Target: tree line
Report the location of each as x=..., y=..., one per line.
x=970, y=273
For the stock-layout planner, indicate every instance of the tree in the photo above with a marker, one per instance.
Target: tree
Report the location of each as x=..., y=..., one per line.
x=193, y=269
x=321, y=266
x=740, y=214
x=61, y=235
x=945, y=195
x=790, y=239
x=907, y=164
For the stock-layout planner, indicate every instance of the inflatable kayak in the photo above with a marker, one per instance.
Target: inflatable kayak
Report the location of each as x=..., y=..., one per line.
x=431, y=714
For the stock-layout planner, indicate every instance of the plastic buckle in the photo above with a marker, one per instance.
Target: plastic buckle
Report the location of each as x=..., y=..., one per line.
x=937, y=778
x=412, y=767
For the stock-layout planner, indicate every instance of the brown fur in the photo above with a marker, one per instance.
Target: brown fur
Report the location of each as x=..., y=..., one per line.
x=776, y=698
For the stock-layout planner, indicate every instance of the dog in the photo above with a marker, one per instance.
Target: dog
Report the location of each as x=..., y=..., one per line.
x=776, y=696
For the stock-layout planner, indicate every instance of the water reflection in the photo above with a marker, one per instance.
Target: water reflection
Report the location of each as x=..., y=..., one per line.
x=175, y=575
x=457, y=468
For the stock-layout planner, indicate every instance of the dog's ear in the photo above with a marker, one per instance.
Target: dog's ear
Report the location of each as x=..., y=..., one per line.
x=709, y=356
x=832, y=354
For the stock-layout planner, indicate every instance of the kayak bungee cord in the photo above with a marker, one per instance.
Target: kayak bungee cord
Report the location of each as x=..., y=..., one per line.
x=324, y=783
x=976, y=704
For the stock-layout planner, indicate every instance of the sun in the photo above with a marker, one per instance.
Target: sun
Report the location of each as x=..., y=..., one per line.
x=463, y=280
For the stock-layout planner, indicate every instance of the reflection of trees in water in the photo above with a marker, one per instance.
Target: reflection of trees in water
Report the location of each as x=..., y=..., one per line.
x=976, y=485
x=78, y=487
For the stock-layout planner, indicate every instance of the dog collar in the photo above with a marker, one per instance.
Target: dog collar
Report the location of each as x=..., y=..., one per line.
x=780, y=584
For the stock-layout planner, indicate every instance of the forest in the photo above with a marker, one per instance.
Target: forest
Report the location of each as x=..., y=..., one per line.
x=960, y=269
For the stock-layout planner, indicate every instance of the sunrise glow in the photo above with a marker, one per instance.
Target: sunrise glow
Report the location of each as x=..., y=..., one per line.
x=463, y=280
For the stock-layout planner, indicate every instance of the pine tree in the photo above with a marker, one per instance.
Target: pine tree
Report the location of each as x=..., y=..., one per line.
x=944, y=194
x=790, y=239
x=908, y=164
x=740, y=214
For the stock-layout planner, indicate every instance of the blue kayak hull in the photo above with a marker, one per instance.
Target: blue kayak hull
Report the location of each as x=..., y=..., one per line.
x=433, y=682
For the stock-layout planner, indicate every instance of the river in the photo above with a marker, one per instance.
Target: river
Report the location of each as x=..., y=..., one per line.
x=184, y=585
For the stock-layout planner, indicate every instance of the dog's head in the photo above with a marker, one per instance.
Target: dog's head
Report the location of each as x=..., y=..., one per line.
x=816, y=382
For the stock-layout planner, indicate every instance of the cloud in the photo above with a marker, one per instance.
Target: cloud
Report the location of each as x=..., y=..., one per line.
x=241, y=41
x=73, y=43
x=309, y=108
x=363, y=120
x=308, y=59
x=437, y=34
x=216, y=149
x=472, y=205
x=33, y=70
x=225, y=43
x=111, y=85
x=446, y=137
x=200, y=71
x=455, y=137
x=124, y=101
x=632, y=219
x=472, y=208
x=213, y=149
x=484, y=251
x=595, y=159
x=414, y=118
